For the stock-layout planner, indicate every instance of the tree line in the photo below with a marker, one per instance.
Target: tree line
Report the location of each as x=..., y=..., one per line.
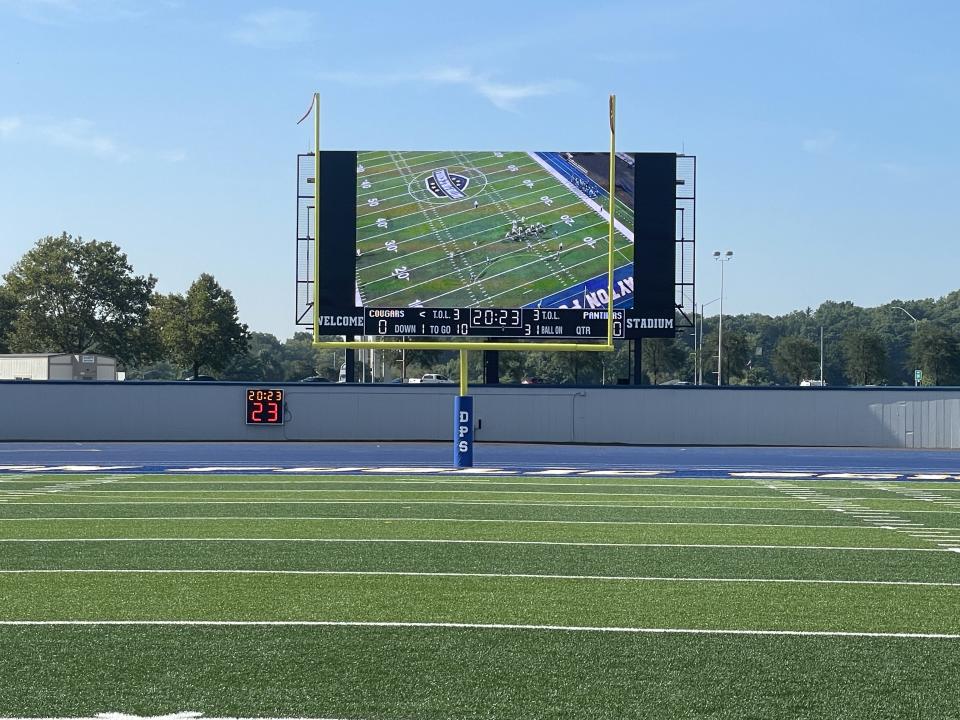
x=67, y=294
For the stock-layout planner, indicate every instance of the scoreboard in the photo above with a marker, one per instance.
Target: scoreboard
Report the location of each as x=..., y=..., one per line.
x=491, y=322
x=264, y=406
x=491, y=244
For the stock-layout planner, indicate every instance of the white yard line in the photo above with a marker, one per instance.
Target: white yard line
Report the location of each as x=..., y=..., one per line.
x=482, y=575
x=475, y=248
x=488, y=626
x=450, y=159
x=538, y=261
x=412, y=155
x=673, y=506
x=480, y=249
x=274, y=480
x=295, y=491
x=447, y=216
x=414, y=519
x=404, y=180
x=380, y=207
x=461, y=541
x=188, y=715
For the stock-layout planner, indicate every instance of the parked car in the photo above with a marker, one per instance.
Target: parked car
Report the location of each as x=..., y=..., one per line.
x=315, y=378
x=432, y=378
x=532, y=381
x=204, y=378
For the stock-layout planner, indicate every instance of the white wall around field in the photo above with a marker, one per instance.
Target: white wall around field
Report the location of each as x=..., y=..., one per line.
x=876, y=417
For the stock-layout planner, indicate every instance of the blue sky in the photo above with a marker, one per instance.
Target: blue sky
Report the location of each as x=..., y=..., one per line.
x=825, y=131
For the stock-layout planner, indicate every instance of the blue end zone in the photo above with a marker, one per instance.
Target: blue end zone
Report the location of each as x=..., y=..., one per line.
x=592, y=294
x=280, y=458
x=571, y=172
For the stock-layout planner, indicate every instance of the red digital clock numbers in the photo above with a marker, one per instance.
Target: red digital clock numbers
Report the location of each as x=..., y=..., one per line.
x=264, y=407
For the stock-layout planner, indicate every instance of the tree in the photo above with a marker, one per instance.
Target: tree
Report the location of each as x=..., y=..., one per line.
x=662, y=357
x=263, y=360
x=936, y=351
x=737, y=352
x=8, y=313
x=201, y=329
x=75, y=296
x=866, y=357
x=796, y=358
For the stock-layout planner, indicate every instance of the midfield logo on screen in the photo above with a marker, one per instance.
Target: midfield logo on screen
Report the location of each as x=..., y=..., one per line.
x=444, y=184
x=448, y=184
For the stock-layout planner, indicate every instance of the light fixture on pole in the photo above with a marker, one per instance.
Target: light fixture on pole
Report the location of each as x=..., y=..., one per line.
x=915, y=321
x=916, y=373
x=723, y=258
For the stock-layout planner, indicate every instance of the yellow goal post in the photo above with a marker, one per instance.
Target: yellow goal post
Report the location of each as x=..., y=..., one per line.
x=464, y=346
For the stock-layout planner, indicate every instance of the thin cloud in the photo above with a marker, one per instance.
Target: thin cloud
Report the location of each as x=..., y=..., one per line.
x=901, y=171
x=634, y=57
x=503, y=95
x=76, y=134
x=277, y=27
x=8, y=126
x=172, y=156
x=820, y=143
x=55, y=12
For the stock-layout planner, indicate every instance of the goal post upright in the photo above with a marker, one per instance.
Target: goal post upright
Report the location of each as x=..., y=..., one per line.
x=612, y=193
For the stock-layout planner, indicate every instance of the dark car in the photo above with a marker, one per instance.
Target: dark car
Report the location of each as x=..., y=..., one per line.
x=532, y=381
x=315, y=378
x=207, y=378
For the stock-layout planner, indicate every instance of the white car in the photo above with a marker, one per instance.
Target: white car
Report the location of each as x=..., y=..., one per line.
x=432, y=378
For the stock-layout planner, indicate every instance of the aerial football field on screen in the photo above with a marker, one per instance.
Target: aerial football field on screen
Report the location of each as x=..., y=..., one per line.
x=485, y=229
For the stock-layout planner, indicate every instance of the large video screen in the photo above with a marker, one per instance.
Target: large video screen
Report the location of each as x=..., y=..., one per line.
x=490, y=229
x=487, y=243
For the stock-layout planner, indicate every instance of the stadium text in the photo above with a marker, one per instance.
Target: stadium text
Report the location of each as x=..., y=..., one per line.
x=650, y=323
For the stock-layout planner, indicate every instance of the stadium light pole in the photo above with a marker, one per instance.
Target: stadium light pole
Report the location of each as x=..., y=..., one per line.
x=723, y=259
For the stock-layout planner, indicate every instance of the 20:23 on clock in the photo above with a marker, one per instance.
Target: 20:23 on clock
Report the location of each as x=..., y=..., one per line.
x=264, y=406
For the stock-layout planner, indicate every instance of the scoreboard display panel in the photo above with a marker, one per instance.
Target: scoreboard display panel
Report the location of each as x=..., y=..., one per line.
x=487, y=244
x=264, y=406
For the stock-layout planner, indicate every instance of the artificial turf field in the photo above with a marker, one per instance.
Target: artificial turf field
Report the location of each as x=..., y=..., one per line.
x=478, y=597
x=417, y=249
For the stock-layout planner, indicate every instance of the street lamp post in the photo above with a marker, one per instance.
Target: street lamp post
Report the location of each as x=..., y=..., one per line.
x=703, y=307
x=723, y=259
x=897, y=307
x=915, y=321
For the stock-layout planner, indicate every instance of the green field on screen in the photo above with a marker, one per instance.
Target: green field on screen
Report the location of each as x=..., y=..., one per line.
x=508, y=231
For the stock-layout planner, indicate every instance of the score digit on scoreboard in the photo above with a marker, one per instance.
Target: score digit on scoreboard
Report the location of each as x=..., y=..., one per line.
x=264, y=407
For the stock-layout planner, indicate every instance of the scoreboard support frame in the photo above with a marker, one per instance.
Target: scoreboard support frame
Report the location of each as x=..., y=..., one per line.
x=463, y=403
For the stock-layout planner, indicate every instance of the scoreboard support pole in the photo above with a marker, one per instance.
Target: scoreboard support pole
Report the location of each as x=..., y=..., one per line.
x=463, y=418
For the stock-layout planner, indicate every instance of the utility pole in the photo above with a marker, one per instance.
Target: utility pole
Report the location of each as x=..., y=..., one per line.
x=821, y=356
x=722, y=259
